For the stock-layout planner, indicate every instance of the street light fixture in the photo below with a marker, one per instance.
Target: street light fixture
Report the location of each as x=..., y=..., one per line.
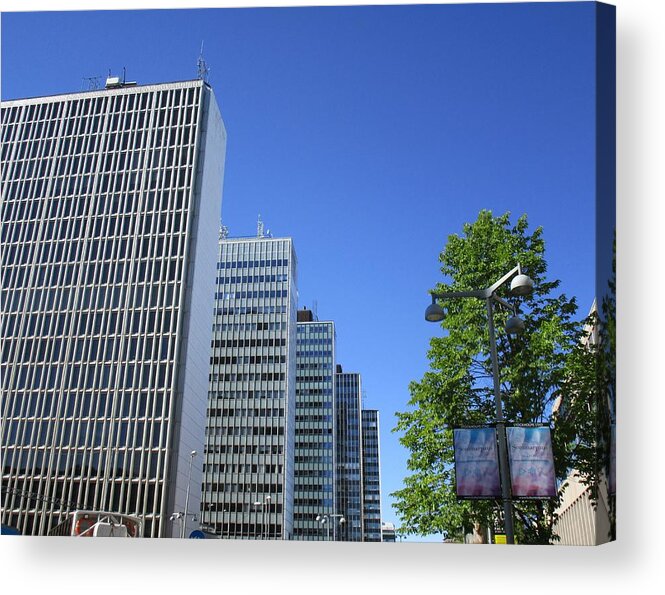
x=182, y=515
x=521, y=285
x=325, y=519
x=265, y=504
x=189, y=481
x=266, y=509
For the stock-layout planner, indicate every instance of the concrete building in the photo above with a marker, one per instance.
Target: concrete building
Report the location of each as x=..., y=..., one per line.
x=248, y=483
x=579, y=521
x=388, y=533
x=110, y=203
x=314, y=427
x=348, y=434
x=371, y=475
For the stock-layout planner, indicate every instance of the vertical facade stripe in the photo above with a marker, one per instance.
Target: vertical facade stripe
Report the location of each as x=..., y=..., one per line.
x=96, y=204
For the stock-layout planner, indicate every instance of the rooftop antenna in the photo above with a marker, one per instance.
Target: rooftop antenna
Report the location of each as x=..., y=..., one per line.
x=315, y=309
x=259, y=228
x=202, y=69
x=92, y=81
x=223, y=232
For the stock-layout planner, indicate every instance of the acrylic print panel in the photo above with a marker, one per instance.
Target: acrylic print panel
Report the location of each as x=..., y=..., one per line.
x=531, y=462
x=476, y=463
x=219, y=240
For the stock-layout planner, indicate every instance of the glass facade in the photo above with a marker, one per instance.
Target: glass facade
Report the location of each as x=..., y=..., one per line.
x=248, y=483
x=315, y=428
x=371, y=476
x=348, y=403
x=107, y=200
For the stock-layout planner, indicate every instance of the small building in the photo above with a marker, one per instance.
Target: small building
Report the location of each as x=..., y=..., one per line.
x=388, y=533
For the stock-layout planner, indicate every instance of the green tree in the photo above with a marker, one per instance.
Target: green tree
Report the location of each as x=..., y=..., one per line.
x=457, y=390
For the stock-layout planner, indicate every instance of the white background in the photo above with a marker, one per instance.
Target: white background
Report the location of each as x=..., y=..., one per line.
x=633, y=564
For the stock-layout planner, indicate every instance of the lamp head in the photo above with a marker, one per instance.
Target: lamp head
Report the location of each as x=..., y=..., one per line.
x=514, y=325
x=521, y=285
x=434, y=313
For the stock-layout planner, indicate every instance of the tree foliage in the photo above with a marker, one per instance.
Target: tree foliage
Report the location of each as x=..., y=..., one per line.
x=457, y=389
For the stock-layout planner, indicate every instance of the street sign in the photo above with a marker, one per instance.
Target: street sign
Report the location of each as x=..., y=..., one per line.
x=197, y=535
x=501, y=538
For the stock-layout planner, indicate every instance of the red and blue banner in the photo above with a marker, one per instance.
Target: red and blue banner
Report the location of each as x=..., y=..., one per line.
x=531, y=462
x=476, y=463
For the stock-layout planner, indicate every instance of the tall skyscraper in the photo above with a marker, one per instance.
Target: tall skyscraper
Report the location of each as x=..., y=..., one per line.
x=314, y=428
x=110, y=203
x=371, y=475
x=248, y=478
x=348, y=404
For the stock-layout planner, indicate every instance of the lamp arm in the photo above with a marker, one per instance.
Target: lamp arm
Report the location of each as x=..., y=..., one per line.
x=500, y=282
x=481, y=293
x=505, y=304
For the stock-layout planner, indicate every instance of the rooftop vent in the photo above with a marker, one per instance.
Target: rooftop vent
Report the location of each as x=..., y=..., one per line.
x=116, y=82
x=113, y=82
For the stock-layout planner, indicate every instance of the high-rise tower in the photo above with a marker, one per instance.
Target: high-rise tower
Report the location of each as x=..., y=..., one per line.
x=314, y=429
x=248, y=478
x=110, y=204
x=371, y=475
x=348, y=434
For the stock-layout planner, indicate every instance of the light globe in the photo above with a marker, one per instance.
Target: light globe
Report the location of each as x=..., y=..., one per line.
x=521, y=285
x=514, y=325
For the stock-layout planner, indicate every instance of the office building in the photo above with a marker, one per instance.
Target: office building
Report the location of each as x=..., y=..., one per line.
x=371, y=475
x=388, y=533
x=248, y=487
x=110, y=203
x=579, y=519
x=349, y=481
x=314, y=429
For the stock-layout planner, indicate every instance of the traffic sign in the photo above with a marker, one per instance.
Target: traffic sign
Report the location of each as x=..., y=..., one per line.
x=197, y=535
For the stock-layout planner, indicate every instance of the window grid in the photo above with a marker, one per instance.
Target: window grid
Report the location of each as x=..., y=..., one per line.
x=93, y=264
x=252, y=379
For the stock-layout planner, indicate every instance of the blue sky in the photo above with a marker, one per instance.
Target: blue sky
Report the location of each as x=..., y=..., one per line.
x=368, y=134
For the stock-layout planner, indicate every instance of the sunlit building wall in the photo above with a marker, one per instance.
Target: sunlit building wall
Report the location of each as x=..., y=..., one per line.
x=315, y=427
x=371, y=474
x=248, y=483
x=349, y=481
x=110, y=204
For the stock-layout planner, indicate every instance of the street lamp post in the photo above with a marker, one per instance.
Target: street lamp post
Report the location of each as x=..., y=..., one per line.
x=178, y=516
x=189, y=481
x=265, y=504
x=266, y=509
x=520, y=285
x=182, y=515
x=327, y=519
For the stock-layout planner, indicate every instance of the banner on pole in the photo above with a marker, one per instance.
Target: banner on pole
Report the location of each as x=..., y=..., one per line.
x=531, y=462
x=476, y=463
